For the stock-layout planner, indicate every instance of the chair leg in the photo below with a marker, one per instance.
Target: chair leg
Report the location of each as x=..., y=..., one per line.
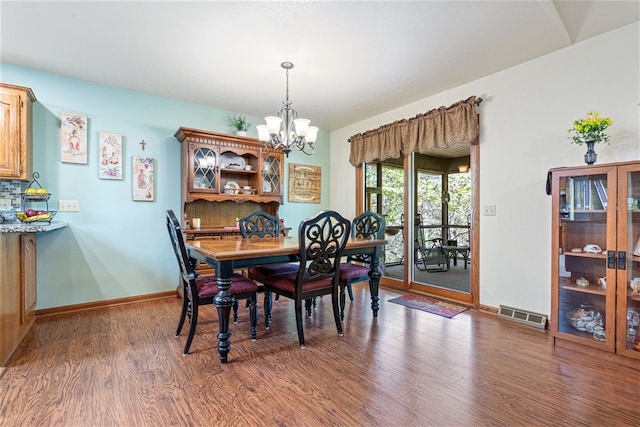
x=253, y=316
x=298, y=308
x=268, y=305
x=350, y=289
x=183, y=315
x=192, y=328
x=343, y=285
x=336, y=311
x=308, y=304
x=235, y=310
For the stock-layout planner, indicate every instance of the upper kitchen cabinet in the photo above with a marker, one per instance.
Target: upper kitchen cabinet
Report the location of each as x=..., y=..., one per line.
x=16, y=103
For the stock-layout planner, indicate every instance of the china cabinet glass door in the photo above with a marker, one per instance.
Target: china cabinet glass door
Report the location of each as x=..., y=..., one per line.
x=628, y=261
x=204, y=164
x=271, y=174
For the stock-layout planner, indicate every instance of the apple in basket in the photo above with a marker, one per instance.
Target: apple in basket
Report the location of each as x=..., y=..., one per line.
x=30, y=212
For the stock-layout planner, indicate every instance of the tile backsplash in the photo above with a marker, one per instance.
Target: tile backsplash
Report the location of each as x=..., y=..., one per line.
x=11, y=190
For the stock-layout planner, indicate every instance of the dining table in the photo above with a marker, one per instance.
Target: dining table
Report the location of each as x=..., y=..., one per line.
x=227, y=255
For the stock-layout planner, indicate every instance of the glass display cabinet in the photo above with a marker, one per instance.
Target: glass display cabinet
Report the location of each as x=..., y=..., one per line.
x=596, y=225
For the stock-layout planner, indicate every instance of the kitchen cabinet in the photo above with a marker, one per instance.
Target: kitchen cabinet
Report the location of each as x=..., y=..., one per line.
x=17, y=290
x=595, y=255
x=16, y=104
x=225, y=177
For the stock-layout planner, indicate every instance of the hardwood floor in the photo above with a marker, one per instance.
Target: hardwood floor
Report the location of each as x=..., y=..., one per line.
x=123, y=366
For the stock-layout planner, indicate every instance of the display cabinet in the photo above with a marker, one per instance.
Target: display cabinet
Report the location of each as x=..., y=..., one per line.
x=595, y=226
x=15, y=129
x=225, y=177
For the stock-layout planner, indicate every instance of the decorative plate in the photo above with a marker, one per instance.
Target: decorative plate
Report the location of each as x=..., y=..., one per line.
x=232, y=184
x=266, y=187
x=232, y=161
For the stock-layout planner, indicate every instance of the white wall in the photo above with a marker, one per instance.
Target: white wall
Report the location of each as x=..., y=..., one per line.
x=525, y=115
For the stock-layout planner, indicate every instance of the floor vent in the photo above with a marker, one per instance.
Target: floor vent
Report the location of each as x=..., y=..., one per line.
x=521, y=316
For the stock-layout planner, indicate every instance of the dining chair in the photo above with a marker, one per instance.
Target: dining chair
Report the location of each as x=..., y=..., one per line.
x=322, y=240
x=370, y=226
x=201, y=290
x=260, y=224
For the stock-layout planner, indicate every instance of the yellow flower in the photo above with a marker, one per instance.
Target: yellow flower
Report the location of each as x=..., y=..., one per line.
x=591, y=128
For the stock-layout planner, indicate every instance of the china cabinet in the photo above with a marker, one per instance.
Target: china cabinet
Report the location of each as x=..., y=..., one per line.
x=595, y=256
x=225, y=177
x=16, y=103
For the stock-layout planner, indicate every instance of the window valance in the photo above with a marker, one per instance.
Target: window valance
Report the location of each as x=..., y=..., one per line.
x=440, y=128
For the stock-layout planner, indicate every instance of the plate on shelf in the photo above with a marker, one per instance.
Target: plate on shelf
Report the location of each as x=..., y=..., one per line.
x=232, y=161
x=266, y=187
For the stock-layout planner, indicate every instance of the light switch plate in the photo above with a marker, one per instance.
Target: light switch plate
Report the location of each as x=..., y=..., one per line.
x=489, y=210
x=5, y=204
x=68, y=205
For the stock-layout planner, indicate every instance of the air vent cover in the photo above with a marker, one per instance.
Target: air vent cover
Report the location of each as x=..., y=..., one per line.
x=522, y=316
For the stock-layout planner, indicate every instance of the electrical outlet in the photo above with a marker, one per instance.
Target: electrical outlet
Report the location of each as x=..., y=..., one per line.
x=5, y=204
x=489, y=210
x=68, y=205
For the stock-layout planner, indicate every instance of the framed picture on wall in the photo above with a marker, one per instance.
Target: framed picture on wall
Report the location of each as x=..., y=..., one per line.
x=110, y=155
x=304, y=183
x=143, y=179
x=73, y=143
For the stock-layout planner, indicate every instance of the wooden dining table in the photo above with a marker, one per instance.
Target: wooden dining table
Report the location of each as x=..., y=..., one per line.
x=227, y=255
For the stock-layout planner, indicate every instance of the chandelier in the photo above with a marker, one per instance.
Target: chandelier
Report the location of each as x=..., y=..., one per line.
x=286, y=130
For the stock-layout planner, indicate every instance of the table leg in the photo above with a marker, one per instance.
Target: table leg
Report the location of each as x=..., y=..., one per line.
x=223, y=302
x=374, y=280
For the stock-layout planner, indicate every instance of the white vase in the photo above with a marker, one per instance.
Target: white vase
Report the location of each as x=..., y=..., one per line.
x=241, y=133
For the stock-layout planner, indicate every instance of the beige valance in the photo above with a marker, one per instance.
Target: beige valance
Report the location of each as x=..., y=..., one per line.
x=440, y=128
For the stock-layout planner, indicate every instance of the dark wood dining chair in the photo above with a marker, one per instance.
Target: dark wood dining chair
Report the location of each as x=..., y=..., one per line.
x=201, y=290
x=368, y=225
x=322, y=240
x=260, y=224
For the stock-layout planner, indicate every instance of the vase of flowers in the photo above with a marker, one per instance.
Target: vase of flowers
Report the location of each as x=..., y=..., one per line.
x=590, y=131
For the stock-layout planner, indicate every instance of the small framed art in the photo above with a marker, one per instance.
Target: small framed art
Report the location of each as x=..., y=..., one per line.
x=143, y=179
x=73, y=143
x=110, y=149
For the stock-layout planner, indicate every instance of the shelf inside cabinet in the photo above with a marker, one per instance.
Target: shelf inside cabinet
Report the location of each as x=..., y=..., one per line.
x=590, y=289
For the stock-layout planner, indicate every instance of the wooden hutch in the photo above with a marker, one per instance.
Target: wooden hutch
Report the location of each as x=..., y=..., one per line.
x=226, y=177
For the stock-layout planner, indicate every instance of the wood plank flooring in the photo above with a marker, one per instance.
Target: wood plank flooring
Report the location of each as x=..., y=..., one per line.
x=122, y=366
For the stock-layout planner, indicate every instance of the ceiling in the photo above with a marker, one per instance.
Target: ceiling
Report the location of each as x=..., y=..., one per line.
x=353, y=60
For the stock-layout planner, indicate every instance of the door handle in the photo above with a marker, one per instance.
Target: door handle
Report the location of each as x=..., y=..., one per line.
x=622, y=260
x=611, y=259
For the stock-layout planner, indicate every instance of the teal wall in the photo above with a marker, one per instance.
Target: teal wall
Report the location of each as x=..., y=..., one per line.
x=115, y=247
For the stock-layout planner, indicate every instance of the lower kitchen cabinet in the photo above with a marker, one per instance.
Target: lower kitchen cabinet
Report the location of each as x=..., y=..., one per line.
x=17, y=290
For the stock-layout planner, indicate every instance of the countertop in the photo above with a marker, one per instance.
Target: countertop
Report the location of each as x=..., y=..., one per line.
x=21, y=227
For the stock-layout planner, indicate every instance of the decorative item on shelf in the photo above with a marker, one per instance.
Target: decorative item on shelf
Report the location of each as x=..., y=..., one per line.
x=286, y=130
x=238, y=124
x=582, y=282
x=602, y=282
x=635, y=285
x=633, y=321
x=585, y=319
x=594, y=249
x=590, y=131
x=231, y=187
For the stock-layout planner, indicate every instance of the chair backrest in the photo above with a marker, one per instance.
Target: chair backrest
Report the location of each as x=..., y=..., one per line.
x=187, y=270
x=322, y=241
x=259, y=224
x=370, y=226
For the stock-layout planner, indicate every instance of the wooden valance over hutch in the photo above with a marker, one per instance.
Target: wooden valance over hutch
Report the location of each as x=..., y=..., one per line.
x=225, y=177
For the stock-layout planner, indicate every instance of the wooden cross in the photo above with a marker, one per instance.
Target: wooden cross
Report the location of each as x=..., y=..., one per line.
x=142, y=144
